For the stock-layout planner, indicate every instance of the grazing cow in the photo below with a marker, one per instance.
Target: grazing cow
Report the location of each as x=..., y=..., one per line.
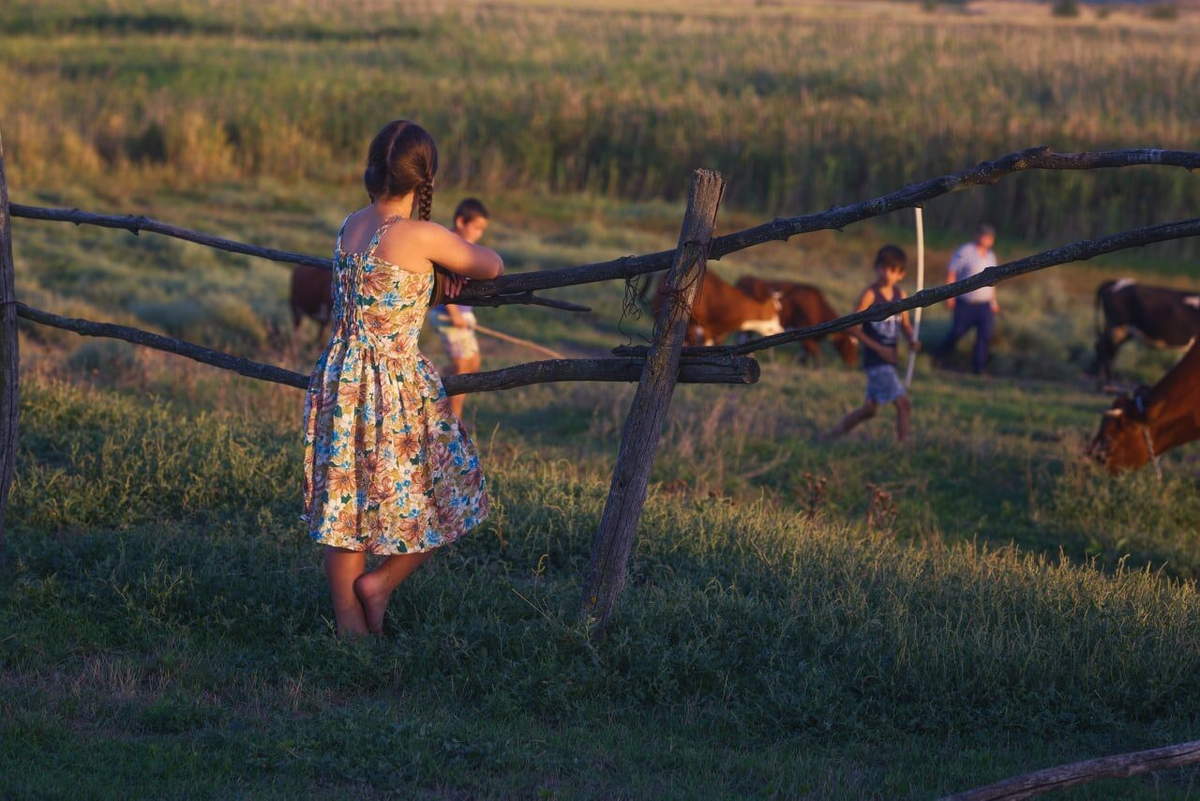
x=802, y=305
x=721, y=309
x=1163, y=318
x=311, y=295
x=1137, y=429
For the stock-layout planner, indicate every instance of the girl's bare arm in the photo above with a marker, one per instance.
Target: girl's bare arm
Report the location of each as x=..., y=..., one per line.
x=455, y=254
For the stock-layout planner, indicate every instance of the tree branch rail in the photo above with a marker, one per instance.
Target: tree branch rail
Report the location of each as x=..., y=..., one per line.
x=1076, y=251
x=703, y=370
x=518, y=287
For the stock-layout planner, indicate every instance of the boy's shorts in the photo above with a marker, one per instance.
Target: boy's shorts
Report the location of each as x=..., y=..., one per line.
x=883, y=384
x=460, y=343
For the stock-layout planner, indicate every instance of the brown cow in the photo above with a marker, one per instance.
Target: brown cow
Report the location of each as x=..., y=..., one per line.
x=721, y=309
x=803, y=305
x=1137, y=430
x=311, y=295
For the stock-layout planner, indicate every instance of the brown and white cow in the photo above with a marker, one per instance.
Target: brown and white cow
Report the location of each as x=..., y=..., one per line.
x=802, y=305
x=311, y=295
x=1137, y=429
x=721, y=309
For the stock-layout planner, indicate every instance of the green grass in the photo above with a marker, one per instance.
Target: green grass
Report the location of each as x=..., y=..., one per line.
x=842, y=620
x=800, y=107
x=166, y=619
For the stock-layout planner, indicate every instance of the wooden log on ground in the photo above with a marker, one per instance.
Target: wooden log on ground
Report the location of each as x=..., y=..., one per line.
x=1112, y=767
x=1075, y=251
x=720, y=370
x=613, y=541
x=8, y=351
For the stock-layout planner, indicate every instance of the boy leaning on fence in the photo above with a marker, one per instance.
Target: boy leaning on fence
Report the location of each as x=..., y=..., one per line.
x=879, y=339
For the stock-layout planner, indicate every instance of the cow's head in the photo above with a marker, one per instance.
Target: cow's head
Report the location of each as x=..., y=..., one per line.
x=1121, y=442
x=846, y=348
x=766, y=323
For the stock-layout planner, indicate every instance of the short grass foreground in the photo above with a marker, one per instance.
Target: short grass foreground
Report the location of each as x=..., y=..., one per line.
x=165, y=632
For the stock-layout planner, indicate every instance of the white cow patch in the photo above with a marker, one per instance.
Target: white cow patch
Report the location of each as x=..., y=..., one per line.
x=765, y=328
x=1121, y=284
x=1193, y=301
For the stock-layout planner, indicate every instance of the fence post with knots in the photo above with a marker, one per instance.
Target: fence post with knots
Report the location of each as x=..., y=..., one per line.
x=648, y=412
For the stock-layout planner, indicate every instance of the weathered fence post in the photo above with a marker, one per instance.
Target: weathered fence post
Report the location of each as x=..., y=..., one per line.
x=8, y=350
x=647, y=414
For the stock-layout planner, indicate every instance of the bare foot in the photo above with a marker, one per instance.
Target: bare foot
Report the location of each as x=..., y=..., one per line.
x=373, y=595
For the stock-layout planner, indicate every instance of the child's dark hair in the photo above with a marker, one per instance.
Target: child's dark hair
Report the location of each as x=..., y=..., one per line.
x=471, y=209
x=891, y=256
x=402, y=158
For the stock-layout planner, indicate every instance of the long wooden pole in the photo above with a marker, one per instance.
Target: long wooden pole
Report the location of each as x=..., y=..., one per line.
x=514, y=288
x=647, y=414
x=1110, y=767
x=837, y=218
x=721, y=370
x=8, y=351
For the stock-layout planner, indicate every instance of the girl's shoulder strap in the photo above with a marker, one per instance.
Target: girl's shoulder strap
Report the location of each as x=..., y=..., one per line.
x=379, y=232
x=337, y=248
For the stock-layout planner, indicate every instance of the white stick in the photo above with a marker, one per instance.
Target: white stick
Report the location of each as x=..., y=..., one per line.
x=912, y=354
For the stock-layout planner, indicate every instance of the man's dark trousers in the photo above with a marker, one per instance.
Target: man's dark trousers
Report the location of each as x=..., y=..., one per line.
x=967, y=316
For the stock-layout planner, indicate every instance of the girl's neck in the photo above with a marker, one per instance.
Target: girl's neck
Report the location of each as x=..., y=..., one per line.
x=390, y=207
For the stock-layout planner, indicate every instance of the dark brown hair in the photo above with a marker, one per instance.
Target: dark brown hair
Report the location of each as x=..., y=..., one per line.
x=471, y=209
x=890, y=256
x=402, y=158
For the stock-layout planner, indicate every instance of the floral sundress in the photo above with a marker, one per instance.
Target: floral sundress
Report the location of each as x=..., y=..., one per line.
x=387, y=468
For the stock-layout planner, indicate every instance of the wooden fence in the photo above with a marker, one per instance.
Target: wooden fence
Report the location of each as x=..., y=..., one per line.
x=656, y=368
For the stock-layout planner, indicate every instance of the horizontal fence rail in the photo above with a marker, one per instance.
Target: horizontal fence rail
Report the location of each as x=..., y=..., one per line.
x=518, y=288
x=783, y=228
x=703, y=370
x=1076, y=251
x=136, y=223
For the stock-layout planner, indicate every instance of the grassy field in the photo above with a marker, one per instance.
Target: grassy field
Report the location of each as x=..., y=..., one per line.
x=845, y=620
x=800, y=105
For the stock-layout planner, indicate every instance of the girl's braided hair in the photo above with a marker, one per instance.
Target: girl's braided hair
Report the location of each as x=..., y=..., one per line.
x=403, y=158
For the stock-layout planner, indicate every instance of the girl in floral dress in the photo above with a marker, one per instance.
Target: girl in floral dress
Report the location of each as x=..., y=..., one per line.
x=387, y=468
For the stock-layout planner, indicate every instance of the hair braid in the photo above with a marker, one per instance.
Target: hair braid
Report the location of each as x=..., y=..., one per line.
x=424, y=200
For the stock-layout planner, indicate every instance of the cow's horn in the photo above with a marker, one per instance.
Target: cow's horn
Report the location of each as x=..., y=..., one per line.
x=1113, y=412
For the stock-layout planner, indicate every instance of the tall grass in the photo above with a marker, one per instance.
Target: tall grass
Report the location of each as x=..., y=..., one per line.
x=800, y=110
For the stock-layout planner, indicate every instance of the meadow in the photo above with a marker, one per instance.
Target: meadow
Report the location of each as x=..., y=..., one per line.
x=800, y=105
x=849, y=619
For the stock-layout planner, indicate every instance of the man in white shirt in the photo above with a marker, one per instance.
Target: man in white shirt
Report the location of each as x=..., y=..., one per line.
x=976, y=309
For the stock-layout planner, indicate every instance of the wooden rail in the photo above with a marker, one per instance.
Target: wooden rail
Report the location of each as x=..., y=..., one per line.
x=837, y=218
x=1076, y=251
x=704, y=370
x=518, y=287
